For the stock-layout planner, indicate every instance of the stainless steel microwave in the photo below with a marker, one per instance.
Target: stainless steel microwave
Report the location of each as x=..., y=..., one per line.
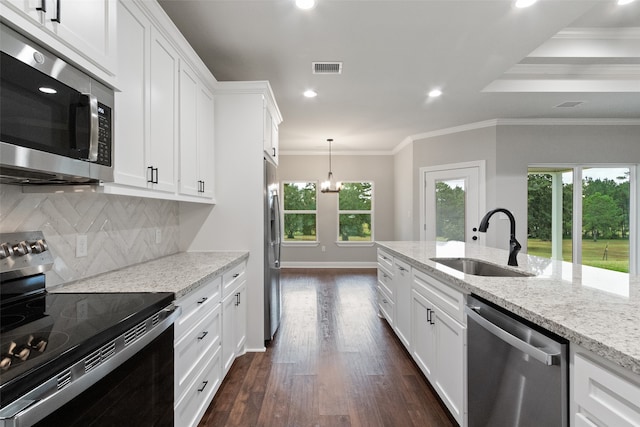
x=55, y=120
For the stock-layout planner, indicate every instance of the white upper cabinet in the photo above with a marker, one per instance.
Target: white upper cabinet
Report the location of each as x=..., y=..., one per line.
x=270, y=133
x=196, y=135
x=146, y=108
x=163, y=114
x=82, y=30
x=132, y=103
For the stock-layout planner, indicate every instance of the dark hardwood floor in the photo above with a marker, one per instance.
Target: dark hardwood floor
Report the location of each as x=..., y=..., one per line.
x=333, y=362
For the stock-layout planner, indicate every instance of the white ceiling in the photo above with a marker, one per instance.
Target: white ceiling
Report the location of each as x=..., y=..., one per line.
x=490, y=59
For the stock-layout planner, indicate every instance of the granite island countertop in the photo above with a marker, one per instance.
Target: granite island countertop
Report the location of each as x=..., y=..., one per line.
x=180, y=273
x=595, y=308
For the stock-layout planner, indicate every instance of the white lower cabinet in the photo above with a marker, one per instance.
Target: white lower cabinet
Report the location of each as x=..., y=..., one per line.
x=439, y=349
x=402, y=300
x=429, y=320
x=208, y=336
x=234, y=323
x=601, y=391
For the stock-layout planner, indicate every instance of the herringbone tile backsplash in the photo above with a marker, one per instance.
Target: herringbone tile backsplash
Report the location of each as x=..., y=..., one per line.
x=120, y=230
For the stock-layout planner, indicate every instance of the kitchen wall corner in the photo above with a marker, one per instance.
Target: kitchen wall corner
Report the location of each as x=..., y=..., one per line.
x=120, y=230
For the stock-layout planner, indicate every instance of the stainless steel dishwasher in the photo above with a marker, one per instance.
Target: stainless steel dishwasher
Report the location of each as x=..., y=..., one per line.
x=517, y=375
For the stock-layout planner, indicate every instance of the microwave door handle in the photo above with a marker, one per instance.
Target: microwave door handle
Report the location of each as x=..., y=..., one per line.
x=87, y=136
x=94, y=128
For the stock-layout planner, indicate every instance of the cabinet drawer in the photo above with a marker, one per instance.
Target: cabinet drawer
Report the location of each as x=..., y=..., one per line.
x=385, y=303
x=232, y=278
x=196, y=305
x=385, y=280
x=603, y=397
x=385, y=259
x=199, y=342
x=199, y=393
x=448, y=299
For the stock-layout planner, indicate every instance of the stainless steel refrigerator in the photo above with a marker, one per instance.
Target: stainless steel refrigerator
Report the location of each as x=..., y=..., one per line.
x=272, y=295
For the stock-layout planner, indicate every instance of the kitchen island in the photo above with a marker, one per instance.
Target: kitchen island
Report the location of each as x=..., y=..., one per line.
x=597, y=311
x=595, y=308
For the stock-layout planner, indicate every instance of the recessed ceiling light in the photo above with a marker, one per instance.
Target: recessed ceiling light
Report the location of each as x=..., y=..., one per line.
x=310, y=93
x=435, y=93
x=623, y=2
x=524, y=3
x=305, y=4
x=45, y=89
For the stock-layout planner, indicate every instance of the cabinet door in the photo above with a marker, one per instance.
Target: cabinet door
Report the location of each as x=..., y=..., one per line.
x=228, y=332
x=205, y=147
x=28, y=8
x=450, y=343
x=131, y=103
x=88, y=26
x=163, y=112
x=402, y=300
x=423, y=334
x=188, y=131
x=240, y=320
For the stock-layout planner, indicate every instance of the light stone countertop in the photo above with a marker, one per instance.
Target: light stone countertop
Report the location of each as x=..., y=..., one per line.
x=180, y=273
x=595, y=308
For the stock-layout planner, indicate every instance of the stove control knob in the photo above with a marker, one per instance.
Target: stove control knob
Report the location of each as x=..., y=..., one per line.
x=5, y=361
x=39, y=246
x=22, y=248
x=6, y=251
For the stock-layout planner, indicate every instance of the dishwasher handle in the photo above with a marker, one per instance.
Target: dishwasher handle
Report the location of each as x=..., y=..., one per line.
x=537, y=353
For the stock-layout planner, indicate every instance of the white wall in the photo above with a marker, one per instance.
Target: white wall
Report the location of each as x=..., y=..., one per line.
x=374, y=168
x=510, y=148
x=458, y=147
x=403, y=193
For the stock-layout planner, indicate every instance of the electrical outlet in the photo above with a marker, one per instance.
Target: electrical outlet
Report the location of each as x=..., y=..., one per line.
x=81, y=245
x=158, y=236
x=324, y=248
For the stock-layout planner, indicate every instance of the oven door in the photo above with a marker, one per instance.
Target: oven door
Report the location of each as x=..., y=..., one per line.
x=133, y=387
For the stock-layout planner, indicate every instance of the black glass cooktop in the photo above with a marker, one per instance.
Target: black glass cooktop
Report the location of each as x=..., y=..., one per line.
x=43, y=335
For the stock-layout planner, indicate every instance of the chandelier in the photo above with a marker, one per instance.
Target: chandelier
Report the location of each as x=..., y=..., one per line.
x=330, y=185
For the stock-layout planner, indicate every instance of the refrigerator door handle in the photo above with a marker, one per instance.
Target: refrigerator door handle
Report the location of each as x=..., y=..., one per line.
x=276, y=204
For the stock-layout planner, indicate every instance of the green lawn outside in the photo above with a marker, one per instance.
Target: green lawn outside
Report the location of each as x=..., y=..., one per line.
x=592, y=252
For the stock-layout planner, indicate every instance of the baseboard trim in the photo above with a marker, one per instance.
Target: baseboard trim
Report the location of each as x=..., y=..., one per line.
x=331, y=264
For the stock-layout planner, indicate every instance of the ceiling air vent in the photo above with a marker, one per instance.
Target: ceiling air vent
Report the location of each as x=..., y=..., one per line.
x=326, y=67
x=569, y=104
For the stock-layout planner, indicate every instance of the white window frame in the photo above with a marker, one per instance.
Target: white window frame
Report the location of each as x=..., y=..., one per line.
x=634, y=210
x=306, y=242
x=370, y=212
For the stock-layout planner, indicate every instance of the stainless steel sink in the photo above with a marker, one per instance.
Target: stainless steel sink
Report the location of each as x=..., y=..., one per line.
x=480, y=268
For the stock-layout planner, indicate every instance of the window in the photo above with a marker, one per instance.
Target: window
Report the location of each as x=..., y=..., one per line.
x=300, y=212
x=588, y=224
x=355, y=212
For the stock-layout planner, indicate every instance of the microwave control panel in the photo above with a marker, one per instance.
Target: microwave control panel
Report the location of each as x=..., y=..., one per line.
x=104, y=135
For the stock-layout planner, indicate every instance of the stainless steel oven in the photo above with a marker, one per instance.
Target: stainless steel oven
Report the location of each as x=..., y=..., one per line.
x=80, y=359
x=55, y=120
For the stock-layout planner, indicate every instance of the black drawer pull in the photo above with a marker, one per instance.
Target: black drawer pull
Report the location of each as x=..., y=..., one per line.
x=236, y=275
x=204, y=385
x=203, y=300
x=204, y=334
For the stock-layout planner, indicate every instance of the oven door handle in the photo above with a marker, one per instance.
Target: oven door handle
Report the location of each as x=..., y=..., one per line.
x=537, y=353
x=47, y=398
x=87, y=127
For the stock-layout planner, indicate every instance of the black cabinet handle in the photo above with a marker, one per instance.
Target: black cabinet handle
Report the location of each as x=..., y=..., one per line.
x=150, y=174
x=204, y=385
x=156, y=180
x=202, y=300
x=236, y=275
x=274, y=152
x=204, y=334
x=57, y=18
x=43, y=6
x=237, y=299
